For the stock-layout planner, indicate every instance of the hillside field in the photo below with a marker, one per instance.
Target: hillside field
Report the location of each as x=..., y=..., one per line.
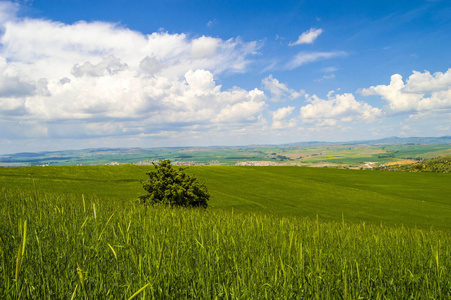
x=390, y=198
x=269, y=233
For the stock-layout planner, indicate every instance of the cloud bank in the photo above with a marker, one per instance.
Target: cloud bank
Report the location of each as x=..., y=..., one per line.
x=421, y=92
x=338, y=108
x=110, y=80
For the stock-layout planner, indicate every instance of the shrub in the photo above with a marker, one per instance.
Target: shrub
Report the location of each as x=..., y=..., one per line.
x=173, y=187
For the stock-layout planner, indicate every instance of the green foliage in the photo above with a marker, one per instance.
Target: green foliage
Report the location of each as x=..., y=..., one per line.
x=281, y=157
x=440, y=164
x=173, y=187
x=388, y=154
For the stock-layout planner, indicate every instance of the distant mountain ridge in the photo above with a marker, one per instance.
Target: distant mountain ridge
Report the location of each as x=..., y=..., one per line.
x=384, y=141
x=410, y=140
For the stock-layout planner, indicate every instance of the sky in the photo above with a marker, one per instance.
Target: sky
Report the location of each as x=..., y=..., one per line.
x=79, y=74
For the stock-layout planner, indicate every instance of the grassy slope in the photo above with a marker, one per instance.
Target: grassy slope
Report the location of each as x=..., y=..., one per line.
x=410, y=199
x=358, y=195
x=63, y=247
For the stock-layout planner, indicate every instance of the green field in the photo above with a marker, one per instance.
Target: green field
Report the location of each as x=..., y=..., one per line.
x=332, y=155
x=390, y=198
x=269, y=233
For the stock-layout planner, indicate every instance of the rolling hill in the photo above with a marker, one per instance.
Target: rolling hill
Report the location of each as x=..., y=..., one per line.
x=391, y=198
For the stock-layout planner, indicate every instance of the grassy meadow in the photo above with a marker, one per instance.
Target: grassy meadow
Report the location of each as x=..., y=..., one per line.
x=269, y=233
x=390, y=198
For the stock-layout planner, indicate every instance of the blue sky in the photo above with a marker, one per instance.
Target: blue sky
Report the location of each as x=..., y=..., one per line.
x=80, y=74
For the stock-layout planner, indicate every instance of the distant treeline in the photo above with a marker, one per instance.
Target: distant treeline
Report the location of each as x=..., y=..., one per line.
x=440, y=164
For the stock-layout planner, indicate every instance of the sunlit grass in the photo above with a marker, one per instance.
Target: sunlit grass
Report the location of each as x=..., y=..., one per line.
x=391, y=198
x=56, y=246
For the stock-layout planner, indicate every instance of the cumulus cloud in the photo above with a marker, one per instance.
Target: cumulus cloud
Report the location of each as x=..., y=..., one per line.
x=279, y=91
x=281, y=119
x=307, y=37
x=150, y=65
x=343, y=108
x=426, y=82
x=50, y=48
x=108, y=66
x=12, y=107
x=303, y=58
x=282, y=113
x=421, y=92
x=140, y=104
x=200, y=81
x=393, y=94
x=204, y=47
x=13, y=82
x=247, y=111
x=110, y=80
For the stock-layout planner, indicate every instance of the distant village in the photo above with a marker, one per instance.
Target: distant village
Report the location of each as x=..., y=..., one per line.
x=253, y=163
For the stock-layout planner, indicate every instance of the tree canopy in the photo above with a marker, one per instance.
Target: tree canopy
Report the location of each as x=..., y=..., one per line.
x=173, y=187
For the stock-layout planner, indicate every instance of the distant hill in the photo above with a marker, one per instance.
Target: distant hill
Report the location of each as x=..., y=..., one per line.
x=440, y=164
x=385, y=141
x=389, y=149
x=310, y=144
x=409, y=140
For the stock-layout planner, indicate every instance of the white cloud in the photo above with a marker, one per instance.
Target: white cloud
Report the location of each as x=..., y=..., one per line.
x=282, y=113
x=425, y=82
x=421, y=92
x=150, y=65
x=139, y=104
x=12, y=107
x=279, y=91
x=307, y=37
x=343, y=108
x=98, y=79
x=303, y=58
x=325, y=77
x=398, y=101
x=50, y=48
x=201, y=81
x=246, y=111
x=281, y=120
x=284, y=124
x=13, y=82
x=108, y=66
x=204, y=47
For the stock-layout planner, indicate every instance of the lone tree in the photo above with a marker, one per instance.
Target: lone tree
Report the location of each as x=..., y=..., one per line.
x=173, y=187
